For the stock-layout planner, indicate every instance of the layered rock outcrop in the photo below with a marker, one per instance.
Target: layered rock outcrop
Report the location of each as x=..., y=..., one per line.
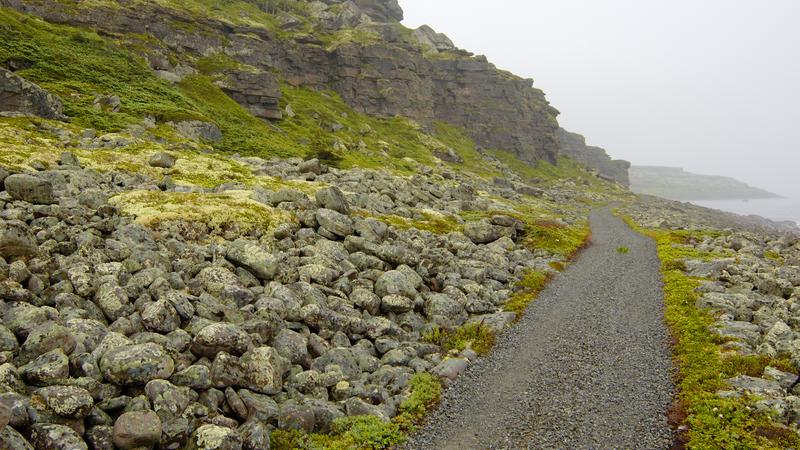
x=20, y=96
x=574, y=146
x=387, y=75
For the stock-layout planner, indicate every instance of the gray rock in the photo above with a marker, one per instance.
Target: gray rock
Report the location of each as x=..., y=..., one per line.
x=162, y=159
x=48, y=436
x=263, y=369
x=136, y=364
x=334, y=222
x=310, y=166
x=44, y=338
x=213, y=437
x=286, y=195
x=11, y=439
x=395, y=282
x=161, y=317
x=291, y=345
x=195, y=376
x=332, y=198
x=254, y=258
x=482, y=232
x=255, y=435
x=199, y=131
x=397, y=304
x=220, y=337
x=19, y=95
x=65, y=401
x=49, y=368
x=16, y=240
x=30, y=188
x=451, y=368
x=295, y=416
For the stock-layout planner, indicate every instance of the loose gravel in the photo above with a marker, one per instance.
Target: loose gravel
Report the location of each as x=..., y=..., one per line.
x=586, y=367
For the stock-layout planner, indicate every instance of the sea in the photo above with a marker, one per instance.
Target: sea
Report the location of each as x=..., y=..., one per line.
x=779, y=209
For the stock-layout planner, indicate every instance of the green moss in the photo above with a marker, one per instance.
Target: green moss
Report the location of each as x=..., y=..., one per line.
x=367, y=432
x=216, y=63
x=77, y=65
x=713, y=422
x=526, y=291
x=432, y=221
x=475, y=336
x=623, y=250
x=217, y=211
x=556, y=238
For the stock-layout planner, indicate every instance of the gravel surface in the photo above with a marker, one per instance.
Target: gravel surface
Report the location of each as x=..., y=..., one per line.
x=586, y=367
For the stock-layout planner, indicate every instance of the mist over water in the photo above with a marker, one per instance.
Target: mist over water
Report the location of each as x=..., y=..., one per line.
x=779, y=209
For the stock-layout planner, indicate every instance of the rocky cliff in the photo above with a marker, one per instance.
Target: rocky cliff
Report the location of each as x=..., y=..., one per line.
x=356, y=48
x=574, y=146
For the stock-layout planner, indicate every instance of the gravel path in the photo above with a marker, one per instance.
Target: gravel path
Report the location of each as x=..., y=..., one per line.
x=587, y=367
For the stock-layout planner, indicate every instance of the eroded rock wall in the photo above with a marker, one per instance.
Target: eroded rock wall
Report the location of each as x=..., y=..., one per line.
x=574, y=146
x=387, y=78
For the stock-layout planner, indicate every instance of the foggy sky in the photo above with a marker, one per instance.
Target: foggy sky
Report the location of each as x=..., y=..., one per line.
x=709, y=85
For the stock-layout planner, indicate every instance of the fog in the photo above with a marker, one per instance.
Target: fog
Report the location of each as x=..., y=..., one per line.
x=712, y=86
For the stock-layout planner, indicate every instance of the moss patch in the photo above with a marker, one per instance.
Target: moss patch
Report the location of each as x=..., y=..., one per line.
x=526, y=291
x=475, y=336
x=367, y=432
x=217, y=211
x=713, y=422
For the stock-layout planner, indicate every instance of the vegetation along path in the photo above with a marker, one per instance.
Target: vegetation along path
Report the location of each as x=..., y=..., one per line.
x=586, y=367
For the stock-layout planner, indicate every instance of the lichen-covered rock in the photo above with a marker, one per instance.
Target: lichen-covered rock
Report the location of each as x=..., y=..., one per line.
x=10, y=439
x=213, y=437
x=163, y=160
x=48, y=436
x=395, y=282
x=482, y=232
x=65, y=401
x=254, y=258
x=136, y=364
x=30, y=188
x=263, y=369
x=18, y=95
x=16, y=240
x=334, y=222
x=220, y=337
x=332, y=198
x=137, y=429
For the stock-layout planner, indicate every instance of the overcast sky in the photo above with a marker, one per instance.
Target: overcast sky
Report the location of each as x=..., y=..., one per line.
x=709, y=85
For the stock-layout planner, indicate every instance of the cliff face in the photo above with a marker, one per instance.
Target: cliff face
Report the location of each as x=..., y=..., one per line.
x=356, y=48
x=574, y=146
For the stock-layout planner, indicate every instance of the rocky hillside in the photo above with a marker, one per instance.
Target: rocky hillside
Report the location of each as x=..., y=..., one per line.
x=260, y=224
x=253, y=51
x=574, y=146
x=677, y=184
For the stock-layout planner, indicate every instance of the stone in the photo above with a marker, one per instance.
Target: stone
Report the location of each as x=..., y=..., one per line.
x=334, y=222
x=48, y=436
x=136, y=364
x=16, y=240
x=44, y=338
x=263, y=369
x=291, y=345
x=254, y=258
x=195, y=376
x=30, y=188
x=332, y=198
x=395, y=282
x=161, y=317
x=199, y=131
x=450, y=368
x=213, y=437
x=162, y=159
x=255, y=435
x=137, y=429
x=49, y=368
x=310, y=166
x=397, y=304
x=482, y=232
x=11, y=439
x=65, y=401
x=220, y=337
x=18, y=95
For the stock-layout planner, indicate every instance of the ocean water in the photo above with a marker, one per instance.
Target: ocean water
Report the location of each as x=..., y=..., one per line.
x=772, y=208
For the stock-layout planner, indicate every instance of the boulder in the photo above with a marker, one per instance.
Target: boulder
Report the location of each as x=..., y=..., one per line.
x=254, y=258
x=214, y=437
x=16, y=240
x=220, y=337
x=163, y=160
x=137, y=429
x=66, y=401
x=332, y=198
x=334, y=222
x=264, y=368
x=18, y=95
x=136, y=364
x=30, y=188
x=49, y=436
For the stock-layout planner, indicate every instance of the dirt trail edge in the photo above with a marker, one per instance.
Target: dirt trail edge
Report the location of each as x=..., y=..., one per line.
x=587, y=367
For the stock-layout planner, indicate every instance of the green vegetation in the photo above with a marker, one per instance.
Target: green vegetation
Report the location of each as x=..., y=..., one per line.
x=713, y=422
x=623, y=250
x=555, y=237
x=432, y=221
x=526, y=291
x=475, y=336
x=78, y=65
x=217, y=211
x=368, y=432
